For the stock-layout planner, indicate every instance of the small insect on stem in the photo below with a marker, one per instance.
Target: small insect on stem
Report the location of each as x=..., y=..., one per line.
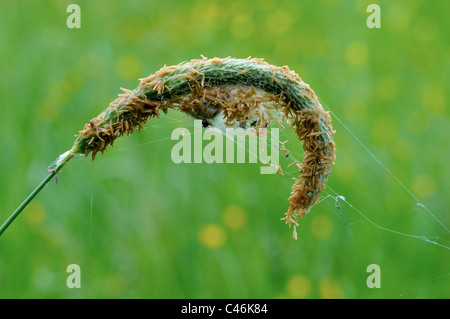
x=54, y=171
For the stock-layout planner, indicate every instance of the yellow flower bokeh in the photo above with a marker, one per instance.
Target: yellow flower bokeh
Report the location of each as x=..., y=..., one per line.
x=129, y=67
x=36, y=213
x=424, y=186
x=329, y=288
x=356, y=54
x=234, y=217
x=321, y=226
x=298, y=286
x=212, y=236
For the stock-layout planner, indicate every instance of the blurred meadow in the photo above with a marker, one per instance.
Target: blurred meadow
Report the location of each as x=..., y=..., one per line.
x=141, y=226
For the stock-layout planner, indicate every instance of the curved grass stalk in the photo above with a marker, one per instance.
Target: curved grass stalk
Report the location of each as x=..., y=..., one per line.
x=240, y=90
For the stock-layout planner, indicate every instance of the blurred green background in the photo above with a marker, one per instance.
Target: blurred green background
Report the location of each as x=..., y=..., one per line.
x=141, y=226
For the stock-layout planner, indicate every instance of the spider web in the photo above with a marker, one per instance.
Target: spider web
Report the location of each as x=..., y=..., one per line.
x=362, y=216
x=433, y=230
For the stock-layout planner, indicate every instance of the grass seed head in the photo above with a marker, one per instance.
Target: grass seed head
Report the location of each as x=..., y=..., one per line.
x=244, y=91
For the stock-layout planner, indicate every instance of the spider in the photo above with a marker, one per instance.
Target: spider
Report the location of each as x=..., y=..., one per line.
x=206, y=123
